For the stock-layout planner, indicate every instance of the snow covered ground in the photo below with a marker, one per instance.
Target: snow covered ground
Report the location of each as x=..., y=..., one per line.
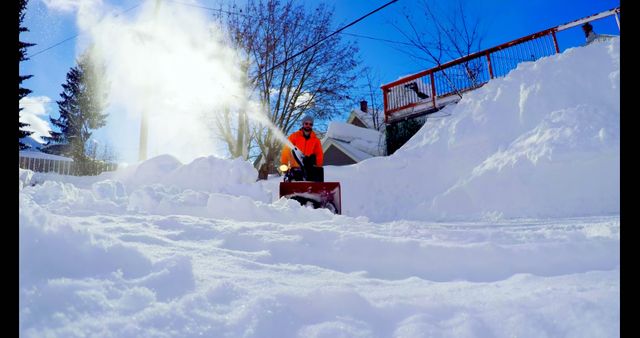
x=500, y=218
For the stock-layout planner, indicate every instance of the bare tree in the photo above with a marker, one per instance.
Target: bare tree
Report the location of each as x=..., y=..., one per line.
x=100, y=151
x=234, y=128
x=437, y=37
x=375, y=107
x=271, y=32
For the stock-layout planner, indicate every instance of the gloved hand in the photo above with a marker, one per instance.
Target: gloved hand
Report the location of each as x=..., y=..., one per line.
x=309, y=161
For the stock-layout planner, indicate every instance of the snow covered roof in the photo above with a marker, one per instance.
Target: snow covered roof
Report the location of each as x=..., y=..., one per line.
x=356, y=142
x=366, y=118
x=354, y=153
x=348, y=132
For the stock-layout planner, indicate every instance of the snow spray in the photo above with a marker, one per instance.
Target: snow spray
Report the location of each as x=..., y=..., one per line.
x=171, y=62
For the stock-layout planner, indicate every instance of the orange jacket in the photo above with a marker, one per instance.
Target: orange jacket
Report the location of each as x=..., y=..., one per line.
x=307, y=146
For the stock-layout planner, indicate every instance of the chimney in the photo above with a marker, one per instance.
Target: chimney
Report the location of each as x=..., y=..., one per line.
x=363, y=105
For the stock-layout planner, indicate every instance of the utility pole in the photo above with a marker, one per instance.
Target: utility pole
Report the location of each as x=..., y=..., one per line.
x=144, y=129
x=144, y=124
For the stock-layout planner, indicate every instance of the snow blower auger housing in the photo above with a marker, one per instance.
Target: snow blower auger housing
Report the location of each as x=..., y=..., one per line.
x=306, y=184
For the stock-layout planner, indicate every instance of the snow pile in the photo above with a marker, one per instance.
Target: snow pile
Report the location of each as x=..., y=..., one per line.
x=24, y=177
x=543, y=141
x=130, y=274
x=207, y=174
x=206, y=187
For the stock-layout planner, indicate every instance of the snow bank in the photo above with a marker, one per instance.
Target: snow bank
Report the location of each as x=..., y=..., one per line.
x=207, y=187
x=543, y=141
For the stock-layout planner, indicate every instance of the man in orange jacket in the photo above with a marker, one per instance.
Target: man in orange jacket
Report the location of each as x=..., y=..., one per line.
x=306, y=141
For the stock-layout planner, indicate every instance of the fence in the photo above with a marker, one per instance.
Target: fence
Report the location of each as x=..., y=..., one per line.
x=41, y=164
x=45, y=163
x=433, y=88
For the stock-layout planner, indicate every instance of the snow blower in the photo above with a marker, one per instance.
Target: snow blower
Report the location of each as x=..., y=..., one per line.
x=306, y=184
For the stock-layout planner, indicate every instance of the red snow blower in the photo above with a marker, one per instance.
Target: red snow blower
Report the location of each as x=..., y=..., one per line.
x=306, y=184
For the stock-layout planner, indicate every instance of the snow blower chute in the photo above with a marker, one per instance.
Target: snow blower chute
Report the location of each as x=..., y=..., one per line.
x=306, y=184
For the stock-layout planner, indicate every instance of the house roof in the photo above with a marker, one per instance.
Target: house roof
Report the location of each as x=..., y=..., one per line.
x=356, y=142
x=365, y=118
x=353, y=153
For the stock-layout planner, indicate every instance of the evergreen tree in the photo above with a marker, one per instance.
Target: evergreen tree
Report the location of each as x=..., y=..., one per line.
x=22, y=92
x=81, y=107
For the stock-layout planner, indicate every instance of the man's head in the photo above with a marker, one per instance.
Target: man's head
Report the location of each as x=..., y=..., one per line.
x=587, y=28
x=307, y=124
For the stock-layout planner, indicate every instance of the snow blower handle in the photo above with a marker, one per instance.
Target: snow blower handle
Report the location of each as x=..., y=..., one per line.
x=299, y=157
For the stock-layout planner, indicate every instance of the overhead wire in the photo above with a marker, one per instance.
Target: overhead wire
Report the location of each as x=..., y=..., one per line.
x=208, y=8
x=326, y=37
x=131, y=8
x=377, y=39
x=394, y=42
x=75, y=36
x=236, y=13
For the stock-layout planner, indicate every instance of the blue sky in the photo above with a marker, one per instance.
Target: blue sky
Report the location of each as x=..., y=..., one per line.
x=501, y=21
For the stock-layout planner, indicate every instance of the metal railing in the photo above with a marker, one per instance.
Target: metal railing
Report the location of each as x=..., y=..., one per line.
x=64, y=166
x=431, y=89
x=36, y=164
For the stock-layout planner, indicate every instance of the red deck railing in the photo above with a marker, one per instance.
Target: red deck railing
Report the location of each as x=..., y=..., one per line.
x=432, y=88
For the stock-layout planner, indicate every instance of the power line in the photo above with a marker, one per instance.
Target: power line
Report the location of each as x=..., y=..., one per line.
x=54, y=45
x=131, y=8
x=208, y=8
x=236, y=13
x=326, y=37
x=379, y=39
x=75, y=36
x=400, y=42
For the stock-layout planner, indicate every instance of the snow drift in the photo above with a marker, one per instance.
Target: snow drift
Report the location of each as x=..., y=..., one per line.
x=543, y=141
